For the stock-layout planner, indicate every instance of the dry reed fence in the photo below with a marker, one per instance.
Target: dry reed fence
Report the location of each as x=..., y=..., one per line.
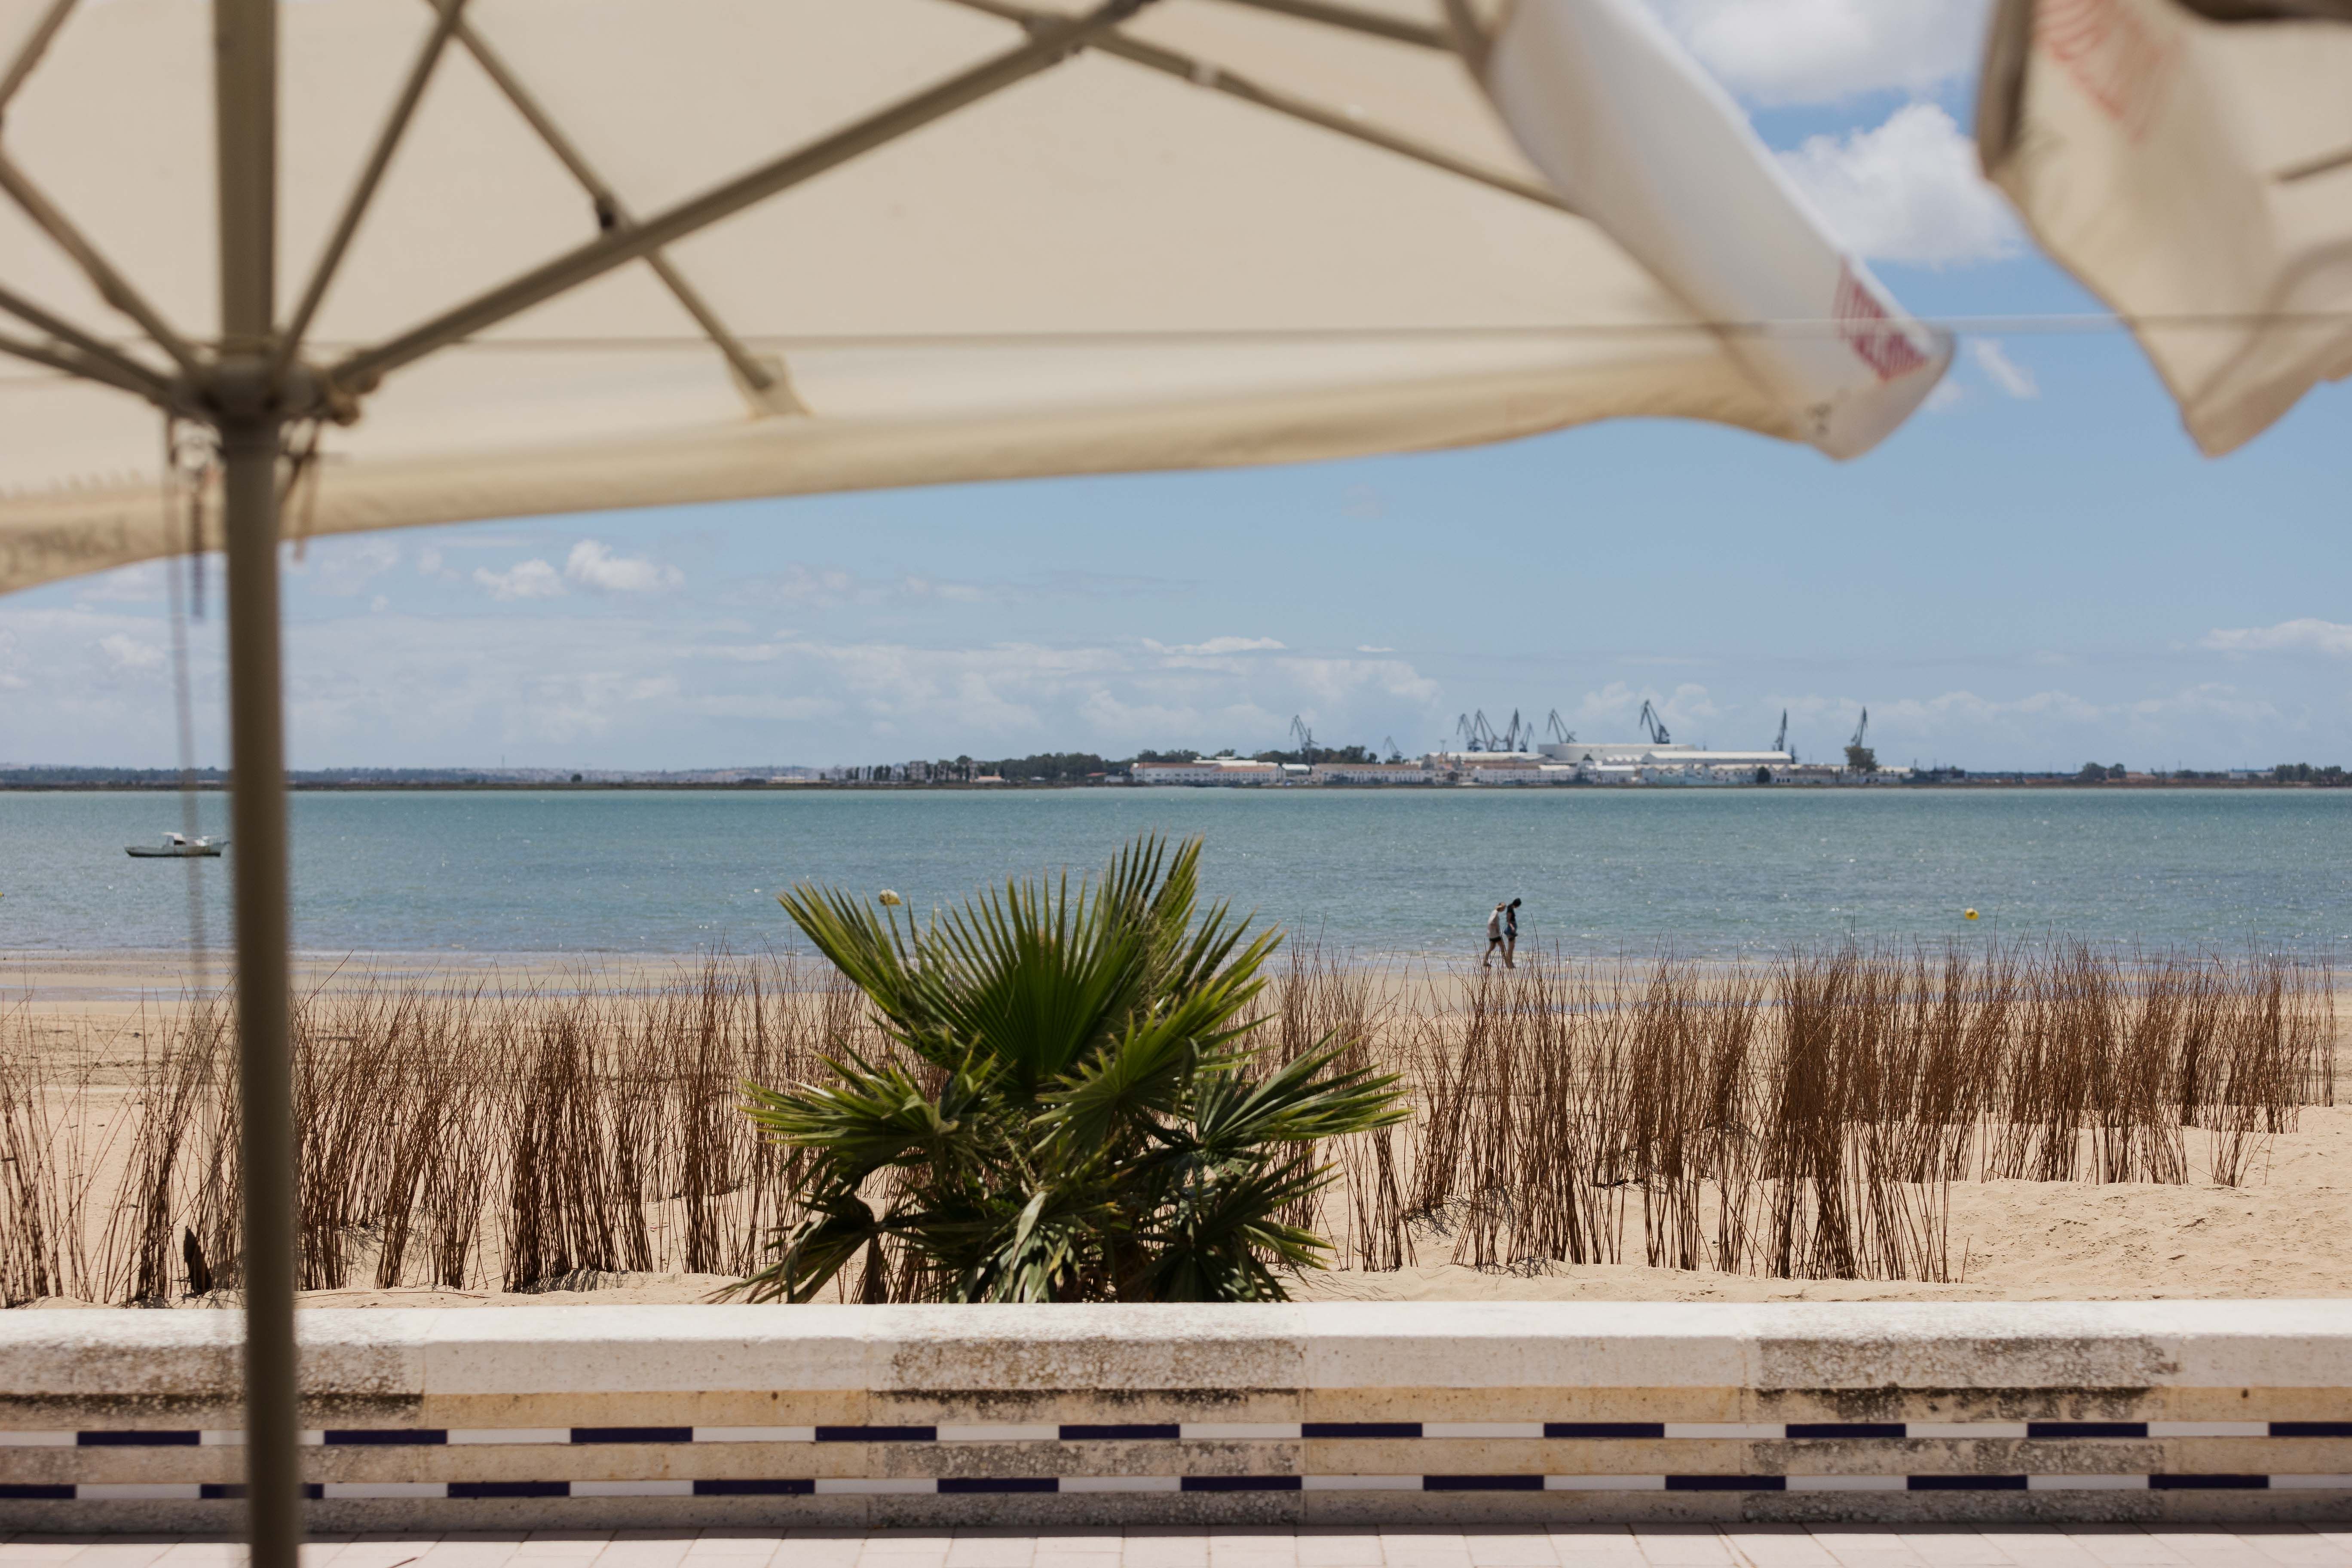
x=1807, y=1120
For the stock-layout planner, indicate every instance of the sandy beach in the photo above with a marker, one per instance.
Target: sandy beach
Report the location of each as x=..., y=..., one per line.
x=2286, y=1232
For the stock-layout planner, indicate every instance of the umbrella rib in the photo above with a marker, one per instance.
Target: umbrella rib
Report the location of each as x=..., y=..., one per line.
x=362, y=370
x=1200, y=73
x=81, y=366
x=1470, y=39
x=1355, y=21
x=35, y=47
x=387, y=141
x=111, y=285
x=2325, y=163
x=119, y=368
x=611, y=212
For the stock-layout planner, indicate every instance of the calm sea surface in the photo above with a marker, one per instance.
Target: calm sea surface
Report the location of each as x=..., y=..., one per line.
x=1703, y=871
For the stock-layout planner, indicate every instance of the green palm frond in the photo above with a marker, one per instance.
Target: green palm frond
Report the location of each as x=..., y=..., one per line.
x=1298, y=1104
x=810, y=1254
x=1080, y=1113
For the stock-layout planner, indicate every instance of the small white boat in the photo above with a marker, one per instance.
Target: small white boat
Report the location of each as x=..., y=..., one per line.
x=176, y=846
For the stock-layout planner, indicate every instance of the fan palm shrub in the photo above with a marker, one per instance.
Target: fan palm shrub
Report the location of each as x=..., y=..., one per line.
x=1070, y=1106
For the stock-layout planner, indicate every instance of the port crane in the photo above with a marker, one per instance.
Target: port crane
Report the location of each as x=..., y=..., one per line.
x=1860, y=731
x=1558, y=728
x=1478, y=735
x=1396, y=753
x=1654, y=725
x=1780, y=741
x=1305, y=737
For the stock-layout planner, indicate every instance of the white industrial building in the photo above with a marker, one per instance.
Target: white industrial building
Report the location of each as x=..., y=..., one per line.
x=1210, y=771
x=1371, y=773
x=1608, y=762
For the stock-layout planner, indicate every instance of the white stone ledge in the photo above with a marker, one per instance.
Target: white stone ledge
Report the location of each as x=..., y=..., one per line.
x=362, y=1354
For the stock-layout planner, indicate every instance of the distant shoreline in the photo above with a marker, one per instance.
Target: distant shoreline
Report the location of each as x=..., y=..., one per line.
x=217, y=786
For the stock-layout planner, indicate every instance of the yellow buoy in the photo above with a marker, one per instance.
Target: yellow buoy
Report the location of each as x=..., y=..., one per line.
x=1969, y=915
x=891, y=899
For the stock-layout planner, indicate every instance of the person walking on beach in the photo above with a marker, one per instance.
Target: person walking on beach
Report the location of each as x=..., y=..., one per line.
x=1503, y=932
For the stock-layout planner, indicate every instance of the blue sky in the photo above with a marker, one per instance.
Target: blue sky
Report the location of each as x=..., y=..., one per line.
x=2037, y=571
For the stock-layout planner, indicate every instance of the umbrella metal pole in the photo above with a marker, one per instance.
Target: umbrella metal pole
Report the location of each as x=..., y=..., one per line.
x=244, y=394
x=265, y=1076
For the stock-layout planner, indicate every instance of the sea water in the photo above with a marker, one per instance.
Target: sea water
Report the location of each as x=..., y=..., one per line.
x=1600, y=870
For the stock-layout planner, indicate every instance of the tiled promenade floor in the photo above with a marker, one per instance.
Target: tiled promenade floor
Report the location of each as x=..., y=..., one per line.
x=1600, y=1547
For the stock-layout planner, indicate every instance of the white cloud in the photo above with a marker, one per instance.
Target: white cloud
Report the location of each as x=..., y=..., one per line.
x=2002, y=371
x=1609, y=714
x=1908, y=190
x=1946, y=397
x=534, y=579
x=1366, y=647
x=2306, y=635
x=140, y=585
x=1216, y=646
x=1818, y=51
x=593, y=565
x=343, y=567
x=128, y=653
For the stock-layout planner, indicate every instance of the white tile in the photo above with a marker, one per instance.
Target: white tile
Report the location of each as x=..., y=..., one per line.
x=1747, y=1431
x=472, y=1434
x=2209, y=1428
x=755, y=1434
x=1668, y=1546
x=991, y=1552
x=1000, y=1434
x=633, y=1489
x=867, y=1486
x=1121, y=1484
x=1482, y=1429
x=1847, y=1484
x=1964, y=1428
x=2295, y=1546
x=2125, y=1548
x=2086, y=1483
x=1239, y=1431
x=1604, y=1483
x=1355, y=1483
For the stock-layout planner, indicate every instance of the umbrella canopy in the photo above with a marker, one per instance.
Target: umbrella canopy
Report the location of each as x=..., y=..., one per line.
x=562, y=255
x=2190, y=160
x=623, y=254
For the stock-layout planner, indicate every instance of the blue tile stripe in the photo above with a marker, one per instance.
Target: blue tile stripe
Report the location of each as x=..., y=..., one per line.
x=952, y=1486
x=1068, y=1432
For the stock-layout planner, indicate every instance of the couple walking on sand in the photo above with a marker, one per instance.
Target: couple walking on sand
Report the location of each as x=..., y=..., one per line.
x=1503, y=932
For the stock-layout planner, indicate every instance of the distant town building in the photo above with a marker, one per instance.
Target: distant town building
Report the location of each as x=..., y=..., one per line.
x=1208, y=771
x=1371, y=773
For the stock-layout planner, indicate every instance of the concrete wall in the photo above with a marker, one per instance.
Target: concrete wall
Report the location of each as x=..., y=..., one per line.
x=1339, y=1413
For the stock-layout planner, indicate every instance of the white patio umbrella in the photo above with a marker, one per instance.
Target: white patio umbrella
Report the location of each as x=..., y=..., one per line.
x=553, y=256
x=2190, y=160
